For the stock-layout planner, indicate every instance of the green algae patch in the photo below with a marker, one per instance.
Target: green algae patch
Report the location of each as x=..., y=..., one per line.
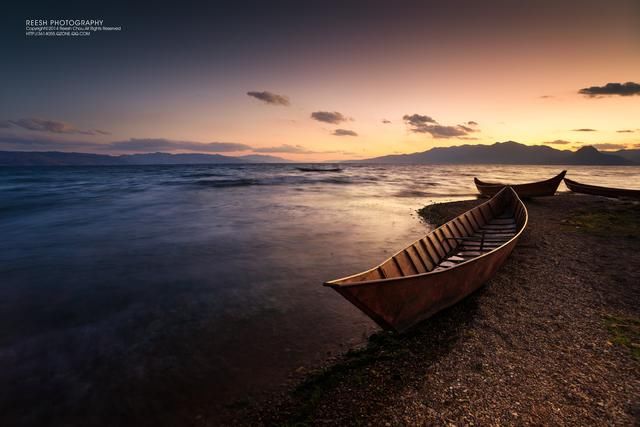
x=625, y=331
x=619, y=221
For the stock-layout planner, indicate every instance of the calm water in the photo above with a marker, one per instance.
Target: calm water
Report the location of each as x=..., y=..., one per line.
x=133, y=295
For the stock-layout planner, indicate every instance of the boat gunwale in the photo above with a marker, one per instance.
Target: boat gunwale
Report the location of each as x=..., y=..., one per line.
x=333, y=284
x=569, y=182
x=498, y=184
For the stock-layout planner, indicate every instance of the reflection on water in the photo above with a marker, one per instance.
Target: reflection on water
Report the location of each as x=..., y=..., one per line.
x=130, y=291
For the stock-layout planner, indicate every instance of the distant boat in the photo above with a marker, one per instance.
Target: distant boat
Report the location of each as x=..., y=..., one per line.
x=533, y=189
x=317, y=169
x=577, y=187
x=440, y=269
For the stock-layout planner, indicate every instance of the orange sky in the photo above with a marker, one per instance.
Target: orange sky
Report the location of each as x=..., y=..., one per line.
x=514, y=69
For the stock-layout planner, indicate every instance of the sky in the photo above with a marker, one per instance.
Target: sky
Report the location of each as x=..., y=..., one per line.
x=322, y=80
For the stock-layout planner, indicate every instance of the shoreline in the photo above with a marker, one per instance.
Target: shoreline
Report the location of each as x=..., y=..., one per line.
x=552, y=338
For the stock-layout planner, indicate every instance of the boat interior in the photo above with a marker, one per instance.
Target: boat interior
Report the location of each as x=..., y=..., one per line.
x=470, y=235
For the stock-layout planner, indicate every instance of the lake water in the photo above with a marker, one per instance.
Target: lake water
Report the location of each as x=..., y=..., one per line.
x=148, y=295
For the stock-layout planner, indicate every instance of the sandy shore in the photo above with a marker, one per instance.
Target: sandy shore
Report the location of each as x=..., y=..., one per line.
x=553, y=338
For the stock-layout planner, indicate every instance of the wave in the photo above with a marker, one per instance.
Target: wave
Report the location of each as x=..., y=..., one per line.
x=415, y=193
x=203, y=175
x=270, y=181
x=243, y=182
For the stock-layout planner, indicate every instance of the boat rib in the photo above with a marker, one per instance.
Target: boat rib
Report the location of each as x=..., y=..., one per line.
x=547, y=187
x=441, y=268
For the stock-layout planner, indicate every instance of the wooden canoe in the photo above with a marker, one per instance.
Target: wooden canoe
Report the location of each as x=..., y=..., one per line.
x=547, y=187
x=441, y=268
x=577, y=187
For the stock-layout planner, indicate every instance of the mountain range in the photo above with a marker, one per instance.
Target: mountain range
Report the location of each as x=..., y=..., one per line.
x=58, y=158
x=509, y=152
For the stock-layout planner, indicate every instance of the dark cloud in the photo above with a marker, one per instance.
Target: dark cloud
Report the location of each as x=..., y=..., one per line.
x=417, y=120
x=329, y=117
x=472, y=123
x=621, y=89
x=285, y=148
x=52, y=126
x=160, y=144
x=425, y=124
x=344, y=132
x=609, y=146
x=585, y=130
x=439, y=131
x=385, y=121
x=558, y=142
x=270, y=97
x=40, y=125
x=625, y=131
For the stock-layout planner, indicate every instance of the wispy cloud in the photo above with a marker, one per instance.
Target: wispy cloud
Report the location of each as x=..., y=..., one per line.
x=284, y=148
x=52, y=126
x=344, y=132
x=334, y=117
x=43, y=143
x=584, y=130
x=547, y=96
x=270, y=98
x=133, y=145
x=558, y=142
x=620, y=89
x=386, y=122
x=610, y=146
x=295, y=149
x=144, y=145
x=419, y=123
x=625, y=131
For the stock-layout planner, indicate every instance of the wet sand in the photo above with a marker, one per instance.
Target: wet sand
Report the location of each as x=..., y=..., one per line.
x=552, y=339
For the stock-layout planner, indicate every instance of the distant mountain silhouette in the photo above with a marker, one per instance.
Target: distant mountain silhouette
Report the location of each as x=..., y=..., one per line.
x=591, y=156
x=57, y=158
x=509, y=152
x=633, y=155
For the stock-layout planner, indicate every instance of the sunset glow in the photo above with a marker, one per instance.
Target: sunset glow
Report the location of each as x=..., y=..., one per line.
x=514, y=70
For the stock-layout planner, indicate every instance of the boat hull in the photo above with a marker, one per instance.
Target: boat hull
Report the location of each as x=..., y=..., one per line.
x=397, y=303
x=596, y=190
x=533, y=189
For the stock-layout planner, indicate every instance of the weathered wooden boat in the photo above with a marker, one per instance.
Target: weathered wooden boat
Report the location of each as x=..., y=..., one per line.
x=314, y=169
x=533, y=189
x=596, y=190
x=441, y=268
